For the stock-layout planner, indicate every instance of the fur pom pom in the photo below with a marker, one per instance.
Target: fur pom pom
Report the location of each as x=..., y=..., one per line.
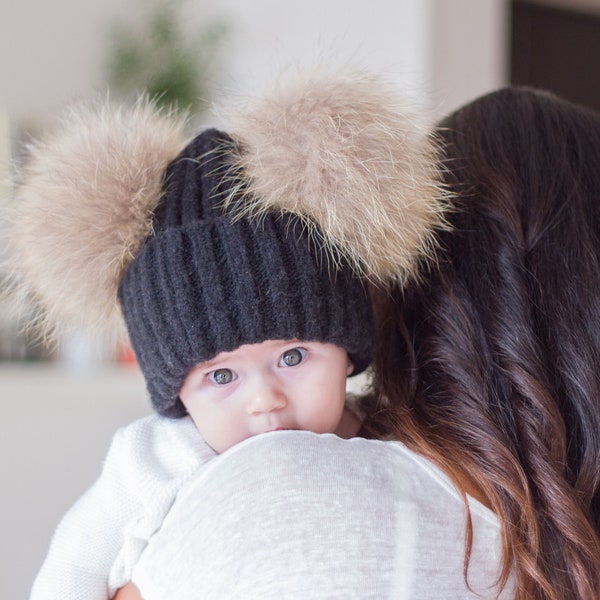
x=84, y=208
x=348, y=154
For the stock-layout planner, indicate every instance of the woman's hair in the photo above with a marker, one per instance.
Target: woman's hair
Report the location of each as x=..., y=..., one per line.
x=491, y=365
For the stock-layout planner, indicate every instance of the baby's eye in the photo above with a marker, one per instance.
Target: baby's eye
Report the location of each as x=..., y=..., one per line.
x=221, y=376
x=293, y=357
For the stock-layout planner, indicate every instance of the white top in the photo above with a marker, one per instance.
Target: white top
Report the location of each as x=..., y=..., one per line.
x=100, y=539
x=299, y=515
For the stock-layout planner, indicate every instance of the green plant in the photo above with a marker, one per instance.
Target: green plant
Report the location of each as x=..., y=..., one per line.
x=161, y=60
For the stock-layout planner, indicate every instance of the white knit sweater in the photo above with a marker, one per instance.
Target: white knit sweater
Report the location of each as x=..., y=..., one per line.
x=100, y=539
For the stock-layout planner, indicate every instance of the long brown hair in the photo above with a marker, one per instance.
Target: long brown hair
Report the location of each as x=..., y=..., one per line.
x=491, y=365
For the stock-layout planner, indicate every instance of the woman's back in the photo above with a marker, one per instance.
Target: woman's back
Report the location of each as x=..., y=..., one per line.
x=328, y=518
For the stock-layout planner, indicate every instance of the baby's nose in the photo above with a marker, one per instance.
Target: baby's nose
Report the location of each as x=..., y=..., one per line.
x=266, y=398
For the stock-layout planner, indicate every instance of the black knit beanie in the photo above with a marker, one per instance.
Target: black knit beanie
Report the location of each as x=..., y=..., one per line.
x=205, y=282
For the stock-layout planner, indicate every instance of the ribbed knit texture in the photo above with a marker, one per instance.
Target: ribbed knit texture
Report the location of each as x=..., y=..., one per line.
x=204, y=283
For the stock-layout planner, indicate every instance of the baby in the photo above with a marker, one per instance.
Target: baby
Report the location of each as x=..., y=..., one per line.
x=239, y=265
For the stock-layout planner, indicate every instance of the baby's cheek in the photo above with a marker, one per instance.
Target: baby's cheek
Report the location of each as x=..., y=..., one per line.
x=325, y=417
x=228, y=434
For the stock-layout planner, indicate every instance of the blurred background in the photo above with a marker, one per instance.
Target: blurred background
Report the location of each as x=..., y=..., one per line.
x=60, y=406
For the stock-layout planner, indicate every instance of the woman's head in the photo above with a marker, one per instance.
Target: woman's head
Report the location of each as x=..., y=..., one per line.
x=491, y=365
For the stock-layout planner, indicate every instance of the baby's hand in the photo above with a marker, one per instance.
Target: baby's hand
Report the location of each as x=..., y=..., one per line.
x=129, y=592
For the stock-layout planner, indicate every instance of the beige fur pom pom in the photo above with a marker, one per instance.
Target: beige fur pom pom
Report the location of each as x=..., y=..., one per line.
x=84, y=207
x=348, y=154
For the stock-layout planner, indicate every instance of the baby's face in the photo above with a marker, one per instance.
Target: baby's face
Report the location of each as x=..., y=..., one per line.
x=277, y=384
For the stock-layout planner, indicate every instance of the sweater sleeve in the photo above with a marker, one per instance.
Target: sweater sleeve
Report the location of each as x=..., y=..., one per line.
x=97, y=542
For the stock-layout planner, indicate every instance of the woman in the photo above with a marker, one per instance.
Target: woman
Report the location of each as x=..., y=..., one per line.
x=488, y=369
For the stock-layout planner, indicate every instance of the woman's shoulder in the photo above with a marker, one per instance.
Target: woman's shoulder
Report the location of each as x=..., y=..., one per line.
x=387, y=462
x=352, y=518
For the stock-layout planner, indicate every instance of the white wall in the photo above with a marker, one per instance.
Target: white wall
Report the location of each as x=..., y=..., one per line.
x=52, y=52
x=55, y=430
x=444, y=51
x=470, y=50
x=270, y=34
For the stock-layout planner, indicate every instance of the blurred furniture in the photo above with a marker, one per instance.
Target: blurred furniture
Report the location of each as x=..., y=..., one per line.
x=556, y=46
